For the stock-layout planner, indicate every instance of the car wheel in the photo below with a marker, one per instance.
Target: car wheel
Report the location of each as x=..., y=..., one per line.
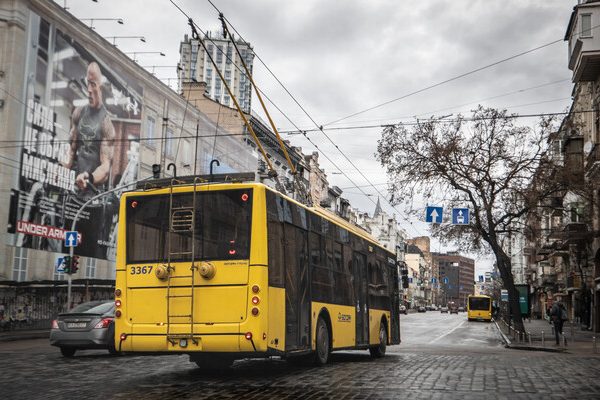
x=379, y=350
x=323, y=347
x=68, y=351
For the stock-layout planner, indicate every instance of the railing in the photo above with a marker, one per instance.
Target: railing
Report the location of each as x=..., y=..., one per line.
x=542, y=339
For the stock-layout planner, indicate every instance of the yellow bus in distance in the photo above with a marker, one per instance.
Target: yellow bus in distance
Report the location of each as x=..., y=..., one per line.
x=223, y=271
x=479, y=308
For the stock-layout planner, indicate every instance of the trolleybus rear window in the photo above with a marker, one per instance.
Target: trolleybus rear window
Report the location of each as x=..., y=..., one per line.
x=221, y=224
x=479, y=303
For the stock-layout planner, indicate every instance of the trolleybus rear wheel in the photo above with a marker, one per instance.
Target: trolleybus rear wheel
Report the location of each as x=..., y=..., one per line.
x=323, y=347
x=379, y=350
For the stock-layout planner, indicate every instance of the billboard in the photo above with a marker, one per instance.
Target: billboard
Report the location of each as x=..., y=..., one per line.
x=523, y=299
x=80, y=140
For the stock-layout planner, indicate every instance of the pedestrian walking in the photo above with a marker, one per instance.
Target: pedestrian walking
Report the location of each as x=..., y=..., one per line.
x=559, y=316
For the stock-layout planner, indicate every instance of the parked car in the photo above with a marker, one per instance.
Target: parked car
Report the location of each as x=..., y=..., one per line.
x=403, y=310
x=421, y=309
x=87, y=326
x=444, y=310
x=461, y=309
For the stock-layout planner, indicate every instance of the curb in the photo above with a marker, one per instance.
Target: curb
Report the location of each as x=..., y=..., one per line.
x=509, y=345
x=24, y=335
x=505, y=338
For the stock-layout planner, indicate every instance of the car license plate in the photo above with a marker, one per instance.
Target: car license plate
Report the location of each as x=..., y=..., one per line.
x=76, y=325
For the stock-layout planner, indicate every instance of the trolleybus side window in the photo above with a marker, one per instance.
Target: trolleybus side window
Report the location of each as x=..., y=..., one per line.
x=275, y=239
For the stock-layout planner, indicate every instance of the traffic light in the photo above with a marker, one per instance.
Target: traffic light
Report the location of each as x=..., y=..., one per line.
x=67, y=262
x=74, y=264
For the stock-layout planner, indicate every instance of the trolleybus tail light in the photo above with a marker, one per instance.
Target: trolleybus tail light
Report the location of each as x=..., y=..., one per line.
x=134, y=204
x=117, y=303
x=255, y=311
x=248, y=335
x=54, y=324
x=255, y=300
x=118, y=293
x=255, y=289
x=123, y=336
x=245, y=197
x=118, y=313
x=104, y=323
x=231, y=247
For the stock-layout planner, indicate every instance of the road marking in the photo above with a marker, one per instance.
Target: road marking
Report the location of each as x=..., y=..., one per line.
x=449, y=332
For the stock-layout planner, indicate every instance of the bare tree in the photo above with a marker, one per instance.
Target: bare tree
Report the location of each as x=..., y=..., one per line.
x=487, y=163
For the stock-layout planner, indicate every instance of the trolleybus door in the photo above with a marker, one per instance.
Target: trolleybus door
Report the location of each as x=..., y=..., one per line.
x=296, y=289
x=360, y=294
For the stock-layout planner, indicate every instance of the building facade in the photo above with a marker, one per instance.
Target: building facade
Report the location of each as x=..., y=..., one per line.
x=82, y=119
x=563, y=245
x=195, y=65
x=456, y=277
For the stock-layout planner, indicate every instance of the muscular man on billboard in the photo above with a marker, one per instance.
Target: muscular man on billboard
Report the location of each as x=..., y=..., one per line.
x=92, y=135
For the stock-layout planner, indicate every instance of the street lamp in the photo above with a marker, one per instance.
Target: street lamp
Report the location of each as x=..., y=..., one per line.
x=161, y=66
x=135, y=53
x=114, y=38
x=91, y=20
x=65, y=4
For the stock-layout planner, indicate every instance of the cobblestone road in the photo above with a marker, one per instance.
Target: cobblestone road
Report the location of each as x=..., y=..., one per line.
x=40, y=372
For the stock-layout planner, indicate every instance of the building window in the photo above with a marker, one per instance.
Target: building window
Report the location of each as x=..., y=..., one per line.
x=20, y=264
x=229, y=55
x=210, y=50
x=150, y=126
x=577, y=212
x=90, y=267
x=187, y=153
x=169, y=145
x=219, y=54
x=586, y=25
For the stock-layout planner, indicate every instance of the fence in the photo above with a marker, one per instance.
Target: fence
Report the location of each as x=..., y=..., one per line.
x=33, y=305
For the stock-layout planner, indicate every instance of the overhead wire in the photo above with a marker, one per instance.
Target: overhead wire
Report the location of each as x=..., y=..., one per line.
x=330, y=140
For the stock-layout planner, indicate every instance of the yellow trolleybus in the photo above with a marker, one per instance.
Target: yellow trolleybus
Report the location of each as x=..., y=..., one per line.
x=479, y=308
x=231, y=270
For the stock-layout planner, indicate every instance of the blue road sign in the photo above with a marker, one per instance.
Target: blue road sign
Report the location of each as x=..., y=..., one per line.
x=480, y=278
x=460, y=216
x=60, y=264
x=434, y=214
x=71, y=239
x=446, y=280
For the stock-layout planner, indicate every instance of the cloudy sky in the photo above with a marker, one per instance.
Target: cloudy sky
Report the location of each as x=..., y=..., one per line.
x=338, y=58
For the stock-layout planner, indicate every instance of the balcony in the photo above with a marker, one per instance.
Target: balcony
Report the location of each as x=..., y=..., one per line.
x=592, y=163
x=584, y=42
x=548, y=280
x=573, y=282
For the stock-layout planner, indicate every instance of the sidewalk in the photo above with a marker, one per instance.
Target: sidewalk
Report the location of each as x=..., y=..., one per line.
x=540, y=336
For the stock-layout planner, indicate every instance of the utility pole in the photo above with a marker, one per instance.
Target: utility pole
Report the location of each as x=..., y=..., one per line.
x=74, y=223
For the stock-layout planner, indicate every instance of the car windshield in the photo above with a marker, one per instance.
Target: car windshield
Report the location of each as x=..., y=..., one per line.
x=93, y=308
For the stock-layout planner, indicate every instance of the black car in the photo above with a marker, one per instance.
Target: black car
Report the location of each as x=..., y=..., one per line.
x=421, y=309
x=87, y=326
